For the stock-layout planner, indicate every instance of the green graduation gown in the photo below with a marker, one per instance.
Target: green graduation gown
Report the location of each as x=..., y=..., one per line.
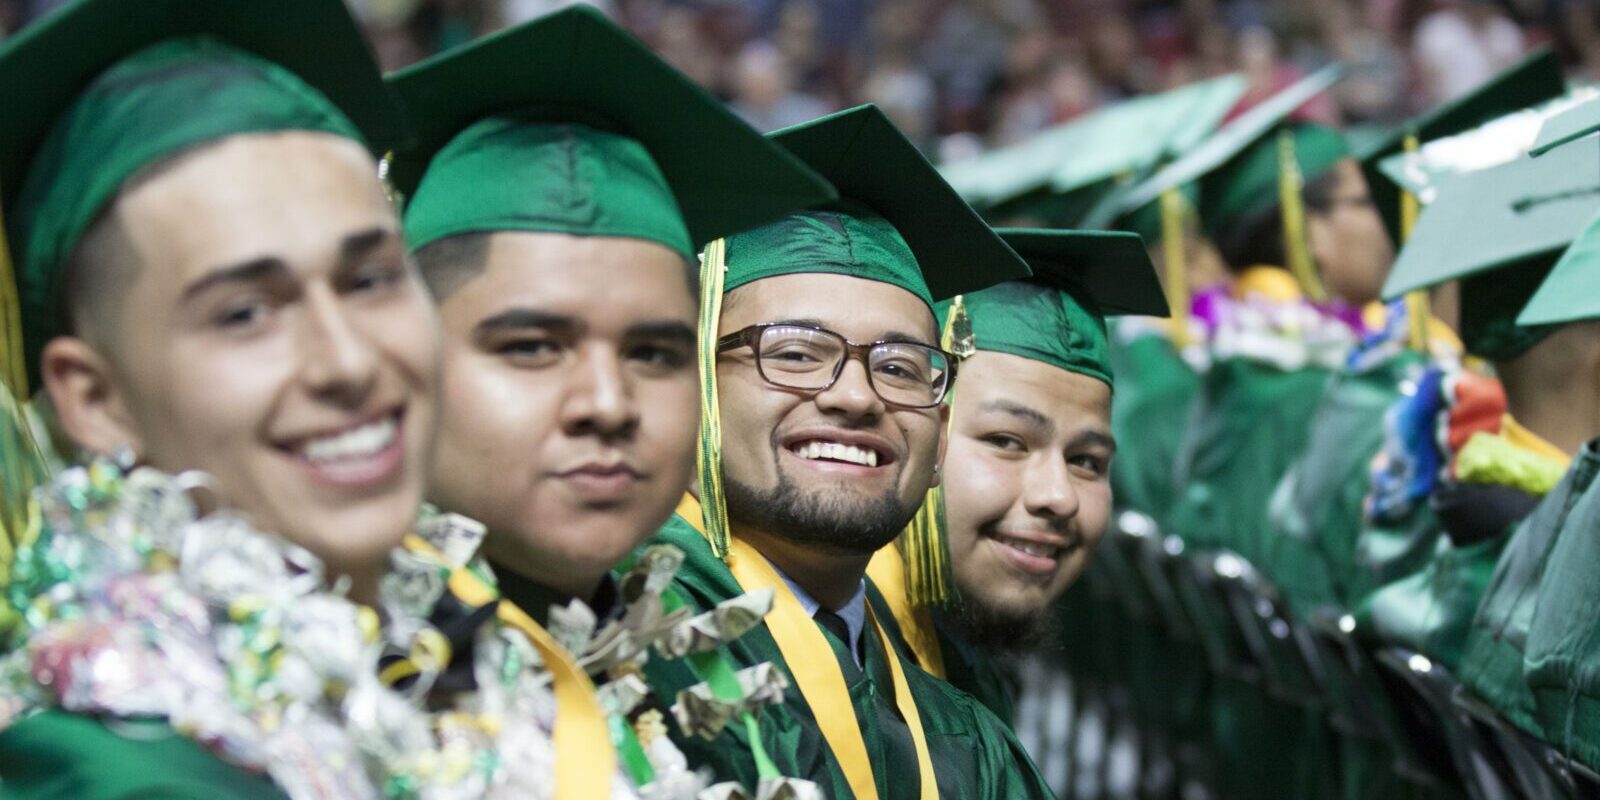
x=974, y=754
x=56, y=755
x=1154, y=389
x=976, y=672
x=1492, y=660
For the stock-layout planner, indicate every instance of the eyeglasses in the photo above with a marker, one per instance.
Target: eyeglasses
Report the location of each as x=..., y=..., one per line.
x=804, y=357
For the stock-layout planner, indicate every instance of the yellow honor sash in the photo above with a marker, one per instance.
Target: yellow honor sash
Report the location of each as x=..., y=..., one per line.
x=586, y=761
x=820, y=680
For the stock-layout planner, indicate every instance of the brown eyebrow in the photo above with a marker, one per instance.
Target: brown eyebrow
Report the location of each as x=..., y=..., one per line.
x=359, y=244
x=255, y=270
x=1027, y=413
x=521, y=318
x=1093, y=437
x=671, y=330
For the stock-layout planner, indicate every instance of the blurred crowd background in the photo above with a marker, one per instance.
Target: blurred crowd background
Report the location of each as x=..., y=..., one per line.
x=963, y=75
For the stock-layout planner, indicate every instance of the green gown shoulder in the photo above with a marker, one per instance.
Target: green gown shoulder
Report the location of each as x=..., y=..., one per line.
x=975, y=672
x=56, y=754
x=1154, y=390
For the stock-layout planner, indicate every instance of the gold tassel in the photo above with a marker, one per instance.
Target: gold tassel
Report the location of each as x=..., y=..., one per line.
x=1296, y=249
x=708, y=452
x=1418, y=313
x=923, y=547
x=1173, y=240
x=23, y=462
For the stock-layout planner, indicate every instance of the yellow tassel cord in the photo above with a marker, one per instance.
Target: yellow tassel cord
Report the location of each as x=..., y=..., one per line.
x=923, y=548
x=1418, y=313
x=1297, y=251
x=1173, y=241
x=708, y=452
x=24, y=463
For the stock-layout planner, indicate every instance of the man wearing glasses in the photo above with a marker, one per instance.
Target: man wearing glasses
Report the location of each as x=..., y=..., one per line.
x=822, y=381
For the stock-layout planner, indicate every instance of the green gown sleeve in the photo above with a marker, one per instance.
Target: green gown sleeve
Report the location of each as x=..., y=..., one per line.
x=1154, y=390
x=1492, y=662
x=56, y=755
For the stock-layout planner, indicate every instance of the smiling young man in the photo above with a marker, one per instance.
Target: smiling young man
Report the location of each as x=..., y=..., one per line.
x=211, y=281
x=823, y=430
x=557, y=224
x=1026, y=493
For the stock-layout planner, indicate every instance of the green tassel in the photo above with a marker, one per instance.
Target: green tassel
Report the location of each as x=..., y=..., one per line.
x=708, y=452
x=923, y=548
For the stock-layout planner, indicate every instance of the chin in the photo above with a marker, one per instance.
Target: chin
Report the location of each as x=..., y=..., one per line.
x=354, y=537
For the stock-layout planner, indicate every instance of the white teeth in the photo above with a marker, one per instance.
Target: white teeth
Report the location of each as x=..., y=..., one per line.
x=1031, y=548
x=363, y=442
x=834, y=451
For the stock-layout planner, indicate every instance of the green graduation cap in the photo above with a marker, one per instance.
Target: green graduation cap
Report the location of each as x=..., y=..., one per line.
x=1058, y=316
x=1499, y=231
x=103, y=88
x=1222, y=151
x=897, y=220
x=1535, y=79
x=1574, y=123
x=1571, y=291
x=568, y=124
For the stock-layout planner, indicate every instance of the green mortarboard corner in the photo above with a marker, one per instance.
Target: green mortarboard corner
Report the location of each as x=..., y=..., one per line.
x=1571, y=292
x=103, y=88
x=1058, y=316
x=897, y=221
x=1222, y=149
x=1575, y=123
x=1535, y=79
x=568, y=124
x=1122, y=138
x=1513, y=220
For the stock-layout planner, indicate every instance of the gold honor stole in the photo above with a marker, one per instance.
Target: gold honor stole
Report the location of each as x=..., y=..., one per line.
x=586, y=759
x=820, y=680
x=888, y=572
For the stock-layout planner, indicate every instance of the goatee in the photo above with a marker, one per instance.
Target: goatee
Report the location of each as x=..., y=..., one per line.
x=838, y=522
x=1002, y=630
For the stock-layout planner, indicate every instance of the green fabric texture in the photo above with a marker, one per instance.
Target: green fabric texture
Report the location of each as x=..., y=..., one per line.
x=1431, y=611
x=975, y=755
x=148, y=107
x=857, y=243
x=1491, y=303
x=976, y=672
x=1561, y=661
x=897, y=221
x=1155, y=388
x=1248, y=183
x=60, y=756
x=1039, y=323
x=1571, y=291
x=515, y=174
x=569, y=124
x=1058, y=316
x=1317, y=509
x=1248, y=424
x=1493, y=661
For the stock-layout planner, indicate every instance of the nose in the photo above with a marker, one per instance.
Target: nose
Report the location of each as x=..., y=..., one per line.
x=1049, y=490
x=340, y=362
x=599, y=399
x=852, y=395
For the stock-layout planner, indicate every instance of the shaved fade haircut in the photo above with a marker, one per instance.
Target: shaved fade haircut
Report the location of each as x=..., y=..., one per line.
x=452, y=262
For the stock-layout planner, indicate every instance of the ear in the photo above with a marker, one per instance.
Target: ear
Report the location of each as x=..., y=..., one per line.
x=944, y=442
x=89, y=401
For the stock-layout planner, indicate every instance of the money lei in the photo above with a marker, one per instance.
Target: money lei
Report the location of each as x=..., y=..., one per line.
x=133, y=605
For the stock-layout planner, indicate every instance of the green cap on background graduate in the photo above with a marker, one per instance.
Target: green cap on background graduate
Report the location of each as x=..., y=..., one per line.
x=1118, y=142
x=1571, y=292
x=1499, y=231
x=568, y=124
x=101, y=89
x=1570, y=125
x=1058, y=318
x=896, y=222
x=1535, y=79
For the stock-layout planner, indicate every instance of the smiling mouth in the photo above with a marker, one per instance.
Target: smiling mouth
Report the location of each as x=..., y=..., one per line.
x=1032, y=548
x=837, y=452
x=1031, y=556
x=360, y=454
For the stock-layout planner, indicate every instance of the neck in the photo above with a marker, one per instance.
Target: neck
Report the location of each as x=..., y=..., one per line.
x=1554, y=388
x=364, y=587
x=563, y=578
x=830, y=578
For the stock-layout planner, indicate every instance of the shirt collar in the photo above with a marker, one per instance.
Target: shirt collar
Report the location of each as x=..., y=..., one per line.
x=853, y=612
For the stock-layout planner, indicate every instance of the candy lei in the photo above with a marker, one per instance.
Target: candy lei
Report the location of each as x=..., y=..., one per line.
x=133, y=605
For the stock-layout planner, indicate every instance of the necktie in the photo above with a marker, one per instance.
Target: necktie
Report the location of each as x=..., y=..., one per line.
x=835, y=624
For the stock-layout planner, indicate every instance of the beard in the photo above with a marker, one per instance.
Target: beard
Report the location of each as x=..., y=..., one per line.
x=1000, y=629
x=819, y=520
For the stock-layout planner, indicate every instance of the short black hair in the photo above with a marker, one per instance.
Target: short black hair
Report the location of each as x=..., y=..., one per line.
x=1257, y=237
